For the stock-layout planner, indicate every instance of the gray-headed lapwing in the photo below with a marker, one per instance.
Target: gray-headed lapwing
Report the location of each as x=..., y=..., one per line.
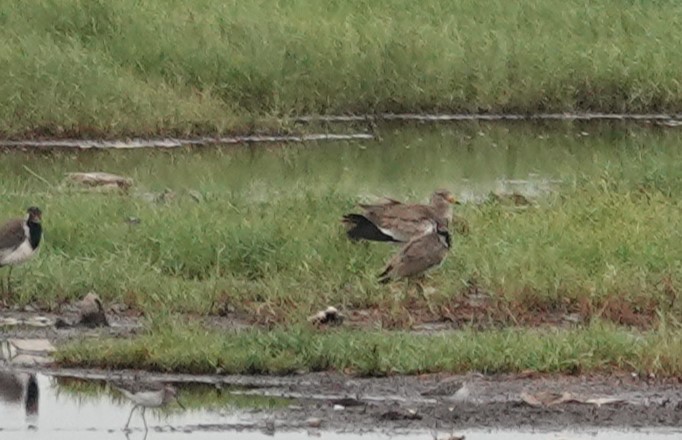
x=398, y=222
x=419, y=255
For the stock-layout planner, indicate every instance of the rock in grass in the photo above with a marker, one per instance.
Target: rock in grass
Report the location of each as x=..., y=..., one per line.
x=329, y=316
x=196, y=195
x=546, y=398
x=314, y=422
x=165, y=196
x=514, y=198
x=101, y=180
x=91, y=312
x=400, y=414
x=549, y=398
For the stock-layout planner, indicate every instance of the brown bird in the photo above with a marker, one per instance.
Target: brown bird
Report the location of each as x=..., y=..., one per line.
x=398, y=222
x=19, y=240
x=419, y=255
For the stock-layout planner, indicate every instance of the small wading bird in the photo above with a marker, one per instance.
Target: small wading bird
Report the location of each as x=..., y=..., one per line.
x=148, y=395
x=19, y=240
x=397, y=222
x=419, y=255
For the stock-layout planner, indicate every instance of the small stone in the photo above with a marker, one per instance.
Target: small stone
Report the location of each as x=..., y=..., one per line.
x=398, y=414
x=92, y=312
x=314, y=422
x=196, y=195
x=429, y=290
x=62, y=323
x=118, y=308
x=38, y=321
x=165, y=196
x=9, y=322
x=32, y=345
x=339, y=407
x=30, y=360
x=94, y=179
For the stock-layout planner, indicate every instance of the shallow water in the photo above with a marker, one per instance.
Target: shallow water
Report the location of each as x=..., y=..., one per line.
x=404, y=161
x=471, y=159
x=78, y=410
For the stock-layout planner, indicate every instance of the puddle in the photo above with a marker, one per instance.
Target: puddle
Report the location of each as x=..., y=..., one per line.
x=38, y=406
x=69, y=408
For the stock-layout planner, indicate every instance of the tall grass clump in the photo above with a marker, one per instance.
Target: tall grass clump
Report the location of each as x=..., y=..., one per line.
x=120, y=68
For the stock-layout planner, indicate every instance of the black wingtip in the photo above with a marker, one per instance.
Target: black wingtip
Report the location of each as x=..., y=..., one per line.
x=360, y=228
x=448, y=237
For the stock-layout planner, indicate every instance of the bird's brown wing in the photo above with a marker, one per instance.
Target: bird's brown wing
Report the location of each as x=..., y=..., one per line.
x=12, y=234
x=419, y=255
x=401, y=222
x=390, y=202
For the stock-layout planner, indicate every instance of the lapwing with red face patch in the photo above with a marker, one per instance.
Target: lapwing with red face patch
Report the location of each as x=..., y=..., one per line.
x=19, y=240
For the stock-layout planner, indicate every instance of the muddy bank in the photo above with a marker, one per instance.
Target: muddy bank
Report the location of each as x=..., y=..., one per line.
x=344, y=403
x=341, y=403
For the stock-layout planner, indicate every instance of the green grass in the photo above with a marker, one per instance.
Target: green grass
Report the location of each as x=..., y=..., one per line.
x=265, y=240
x=181, y=348
x=128, y=68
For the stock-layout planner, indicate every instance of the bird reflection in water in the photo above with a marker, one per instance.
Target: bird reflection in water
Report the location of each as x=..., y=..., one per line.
x=18, y=389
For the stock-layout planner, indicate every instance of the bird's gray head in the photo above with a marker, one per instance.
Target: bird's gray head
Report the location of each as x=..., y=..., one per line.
x=170, y=391
x=442, y=197
x=35, y=215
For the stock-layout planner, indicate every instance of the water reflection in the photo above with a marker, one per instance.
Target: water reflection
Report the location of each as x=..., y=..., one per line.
x=407, y=162
x=32, y=393
x=20, y=389
x=73, y=406
x=76, y=409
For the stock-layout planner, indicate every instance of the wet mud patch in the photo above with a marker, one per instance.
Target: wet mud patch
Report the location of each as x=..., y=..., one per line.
x=482, y=311
x=472, y=308
x=325, y=402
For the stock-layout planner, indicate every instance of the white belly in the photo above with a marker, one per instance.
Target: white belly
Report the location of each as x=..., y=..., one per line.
x=150, y=399
x=18, y=255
